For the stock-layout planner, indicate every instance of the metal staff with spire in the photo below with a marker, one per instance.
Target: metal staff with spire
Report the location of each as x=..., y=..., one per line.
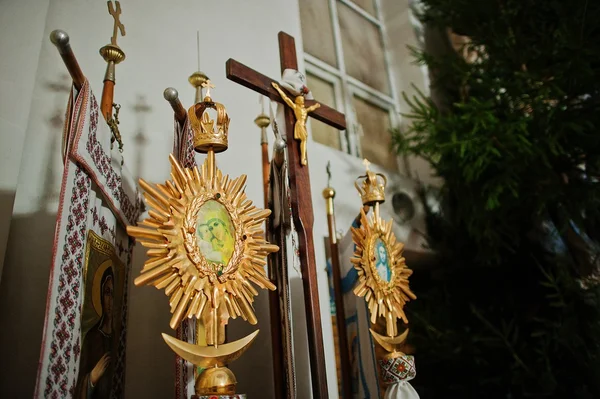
x=113, y=55
x=263, y=121
x=340, y=314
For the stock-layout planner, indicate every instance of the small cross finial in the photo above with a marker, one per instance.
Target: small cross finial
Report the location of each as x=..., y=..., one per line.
x=118, y=26
x=328, y=173
x=208, y=85
x=366, y=163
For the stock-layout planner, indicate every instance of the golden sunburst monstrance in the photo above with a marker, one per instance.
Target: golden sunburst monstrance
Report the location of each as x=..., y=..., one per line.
x=382, y=272
x=196, y=285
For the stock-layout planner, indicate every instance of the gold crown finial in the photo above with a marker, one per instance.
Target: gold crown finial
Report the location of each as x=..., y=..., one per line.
x=207, y=135
x=372, y=189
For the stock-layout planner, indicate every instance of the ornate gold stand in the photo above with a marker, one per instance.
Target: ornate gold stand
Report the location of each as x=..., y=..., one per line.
x=206, y=247
x=383, y=279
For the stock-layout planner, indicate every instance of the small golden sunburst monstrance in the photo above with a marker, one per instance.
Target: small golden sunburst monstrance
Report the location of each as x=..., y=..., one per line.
x=382, y=272
x=206, y=248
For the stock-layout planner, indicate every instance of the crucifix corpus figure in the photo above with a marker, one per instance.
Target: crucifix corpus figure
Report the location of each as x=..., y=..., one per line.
x=301, y=113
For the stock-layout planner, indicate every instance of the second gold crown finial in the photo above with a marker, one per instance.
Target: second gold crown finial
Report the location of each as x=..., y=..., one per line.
x=210, y=134
x=372, y=189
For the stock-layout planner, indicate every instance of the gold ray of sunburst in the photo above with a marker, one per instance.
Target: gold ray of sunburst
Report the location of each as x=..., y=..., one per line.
x=197, y=287
x=384, y=298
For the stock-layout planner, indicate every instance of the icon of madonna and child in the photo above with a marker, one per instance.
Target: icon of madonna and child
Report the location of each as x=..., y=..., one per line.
x=215, y=234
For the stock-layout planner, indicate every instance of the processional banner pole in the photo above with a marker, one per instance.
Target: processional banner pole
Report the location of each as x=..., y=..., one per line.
x=340, y=314
x=113, y=55
x=61, y=40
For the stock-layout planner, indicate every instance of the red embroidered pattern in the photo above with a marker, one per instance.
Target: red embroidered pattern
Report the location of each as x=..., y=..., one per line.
x=102, y=160
x=69, y=280
x=103, y=225
x=118, y=390
x=60, y=359
x=398, y=369
x=188, y=157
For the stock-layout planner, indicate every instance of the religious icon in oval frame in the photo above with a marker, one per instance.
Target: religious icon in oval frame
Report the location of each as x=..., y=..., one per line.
x=382, y=271
x=205, y=246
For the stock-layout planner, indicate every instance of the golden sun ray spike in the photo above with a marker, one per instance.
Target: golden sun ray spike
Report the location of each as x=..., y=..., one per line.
x=206, y=249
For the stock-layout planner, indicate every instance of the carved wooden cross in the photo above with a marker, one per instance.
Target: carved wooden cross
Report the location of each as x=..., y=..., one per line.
x=301, y=199
x=118, y=26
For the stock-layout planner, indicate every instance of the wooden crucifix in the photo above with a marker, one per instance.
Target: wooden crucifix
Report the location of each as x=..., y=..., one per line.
x=301, y=199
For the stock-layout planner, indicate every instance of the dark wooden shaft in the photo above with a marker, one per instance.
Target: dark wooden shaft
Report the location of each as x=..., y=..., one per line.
x=278, y=362
x=274, y=309
x=340, y=314
x=66, y=53
x=179, y=111
x=303, y=216
x=266, y=165
x=106, y=102
x=74, y=69
x=279, y=367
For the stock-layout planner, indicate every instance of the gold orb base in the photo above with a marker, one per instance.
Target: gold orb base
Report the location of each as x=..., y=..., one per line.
x=215, y=381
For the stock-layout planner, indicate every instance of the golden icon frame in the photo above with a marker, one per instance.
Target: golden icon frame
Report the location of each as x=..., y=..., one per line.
x=384, y=298
x=176, y=263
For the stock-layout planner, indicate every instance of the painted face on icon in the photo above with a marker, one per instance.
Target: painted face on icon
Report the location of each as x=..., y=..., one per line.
x=107, y=295
x=381, y=261
x=215, y=232
x=382, y=254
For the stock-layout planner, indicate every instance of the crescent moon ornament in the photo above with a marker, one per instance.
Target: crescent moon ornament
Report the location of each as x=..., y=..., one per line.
x=210, y=356
x=215, y=379
x=390, y=344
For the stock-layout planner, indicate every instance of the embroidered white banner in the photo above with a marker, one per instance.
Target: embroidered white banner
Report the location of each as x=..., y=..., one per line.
x=86, y=311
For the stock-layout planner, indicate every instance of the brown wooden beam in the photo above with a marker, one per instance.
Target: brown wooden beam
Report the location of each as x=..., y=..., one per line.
x=302, y=213
x=260, y=83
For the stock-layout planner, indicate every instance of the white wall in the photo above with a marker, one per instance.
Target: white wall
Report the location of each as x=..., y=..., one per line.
x=161, y=52
x=22, y=24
